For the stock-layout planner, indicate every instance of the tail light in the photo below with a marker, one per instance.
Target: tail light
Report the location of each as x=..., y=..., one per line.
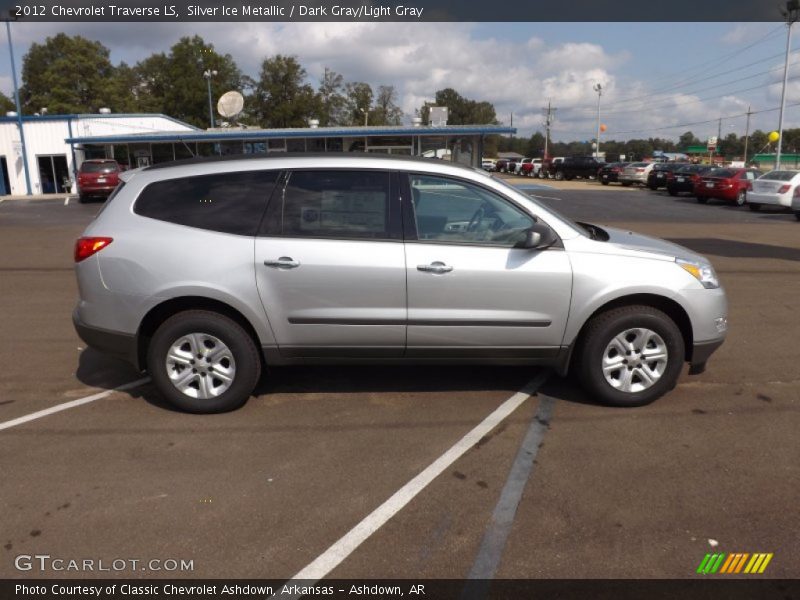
x=784, y=188
x=86, y=246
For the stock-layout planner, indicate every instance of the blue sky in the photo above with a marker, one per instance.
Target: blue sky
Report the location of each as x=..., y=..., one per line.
x=657, y=76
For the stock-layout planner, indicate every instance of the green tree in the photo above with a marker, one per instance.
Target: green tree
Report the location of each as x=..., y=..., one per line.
x=174, y=84
x=536, y=145
x=332, y=102
x=359, y=101
x=67, y=75
x=731, y=146
x=281, y=97
x=6, y=104
x=687, y=139
x=461, y=111
x=386, y=111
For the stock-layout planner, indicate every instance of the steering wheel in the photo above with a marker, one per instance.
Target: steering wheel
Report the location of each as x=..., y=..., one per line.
x=476, y=218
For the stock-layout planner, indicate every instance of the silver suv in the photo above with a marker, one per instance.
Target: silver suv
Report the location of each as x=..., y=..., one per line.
x=205, y=272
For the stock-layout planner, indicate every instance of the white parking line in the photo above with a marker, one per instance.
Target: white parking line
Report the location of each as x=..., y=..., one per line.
x=339, y=551
x=66, y=201
x=72, y=404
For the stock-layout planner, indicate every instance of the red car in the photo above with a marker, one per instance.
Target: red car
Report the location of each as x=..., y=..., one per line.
x=729, y=184
x=97, y=177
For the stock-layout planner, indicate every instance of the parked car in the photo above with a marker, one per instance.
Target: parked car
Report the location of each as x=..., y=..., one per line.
x=488, y=164
x=577, y=166
x=182, y=276
x=657, y=178
x=683, y=179
x=501, y=165
x=97, y=178
x=532, y=168
x=609, y=173
x=776, y=188
x=636, y=173
x=731, y=185
x=549, y=167
x=520, y=164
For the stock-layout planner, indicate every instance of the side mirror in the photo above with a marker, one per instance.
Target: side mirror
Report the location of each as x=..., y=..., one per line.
x=538, y=237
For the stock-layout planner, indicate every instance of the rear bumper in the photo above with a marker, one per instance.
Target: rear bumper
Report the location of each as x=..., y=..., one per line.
x=115, y=343
x=96, y=190
x=771, y=199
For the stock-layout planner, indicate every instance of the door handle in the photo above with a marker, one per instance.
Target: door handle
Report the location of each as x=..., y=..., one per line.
x=435, y=267
x=284, y=262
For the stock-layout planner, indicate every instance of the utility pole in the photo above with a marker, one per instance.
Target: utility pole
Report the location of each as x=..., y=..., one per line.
x=747, y=134
x=19, y=112
x=599, y=89
x=791, y=13
x=549, y=113
x=719, y=138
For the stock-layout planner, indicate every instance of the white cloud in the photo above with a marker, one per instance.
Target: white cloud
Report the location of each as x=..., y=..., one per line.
x=517, y=75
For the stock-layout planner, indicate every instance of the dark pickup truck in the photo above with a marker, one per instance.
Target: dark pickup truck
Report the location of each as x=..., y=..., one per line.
x=578, y=166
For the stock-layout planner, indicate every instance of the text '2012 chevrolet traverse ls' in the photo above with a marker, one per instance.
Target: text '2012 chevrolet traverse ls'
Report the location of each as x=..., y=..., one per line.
x=204, y=272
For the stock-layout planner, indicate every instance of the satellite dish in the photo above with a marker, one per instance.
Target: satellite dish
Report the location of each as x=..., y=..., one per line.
x=230, y=104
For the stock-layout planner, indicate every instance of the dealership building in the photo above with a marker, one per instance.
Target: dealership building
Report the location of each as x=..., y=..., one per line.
x=56, y=145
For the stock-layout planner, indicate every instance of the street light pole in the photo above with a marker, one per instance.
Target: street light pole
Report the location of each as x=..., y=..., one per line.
x=792, y=9
x=19, y=112
x=599, y=89
x=208, y=74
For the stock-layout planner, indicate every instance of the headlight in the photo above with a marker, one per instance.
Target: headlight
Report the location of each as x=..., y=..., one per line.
x=703, y=272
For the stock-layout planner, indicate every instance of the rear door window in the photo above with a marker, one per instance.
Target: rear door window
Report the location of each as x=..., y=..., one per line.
x=224, y=202
x=335, y=204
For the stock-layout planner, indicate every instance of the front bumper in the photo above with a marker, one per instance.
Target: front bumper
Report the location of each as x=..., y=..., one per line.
x=114, y=343
x=701, y=351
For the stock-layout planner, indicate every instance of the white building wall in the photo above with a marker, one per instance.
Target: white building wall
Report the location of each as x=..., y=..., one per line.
x=46, y=137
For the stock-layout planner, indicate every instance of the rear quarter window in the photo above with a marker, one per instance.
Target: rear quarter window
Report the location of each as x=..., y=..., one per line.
x=224, y=202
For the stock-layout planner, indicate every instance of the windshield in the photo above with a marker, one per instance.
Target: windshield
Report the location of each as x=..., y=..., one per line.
x=780, y=175
x=99, y=167
x=726, y=173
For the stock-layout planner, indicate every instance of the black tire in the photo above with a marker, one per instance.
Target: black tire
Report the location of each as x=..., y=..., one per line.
x=672, y=192
x=240, y=344
x=652, y=187
x=797, y=215
x=599, y=333
x=741, y=198
x=754, y=207
x=702, y=199
x=83, y=199
x=604, y=182
x=559, y=176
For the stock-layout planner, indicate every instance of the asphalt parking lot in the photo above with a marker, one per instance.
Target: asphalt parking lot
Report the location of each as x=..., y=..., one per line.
x=265, y=491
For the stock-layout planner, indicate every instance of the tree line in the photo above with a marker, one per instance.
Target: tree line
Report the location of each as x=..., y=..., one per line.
x=72, y=74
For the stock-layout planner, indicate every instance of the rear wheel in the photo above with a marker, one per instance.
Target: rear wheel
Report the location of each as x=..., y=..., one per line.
x=559, y=175
x=754, y=207
x=203, y=362
x=82, y=198
x=741, y=198
x=630, y=356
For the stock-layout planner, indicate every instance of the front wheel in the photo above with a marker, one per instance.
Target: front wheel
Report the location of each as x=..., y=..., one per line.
x=203, y=362
x=630, y=356
x=559, y=175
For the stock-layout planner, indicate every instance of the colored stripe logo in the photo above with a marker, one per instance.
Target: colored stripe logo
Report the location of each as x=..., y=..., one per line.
x=733, y=563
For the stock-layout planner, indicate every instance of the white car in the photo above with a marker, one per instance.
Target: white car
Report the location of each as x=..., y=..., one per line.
x=776, y=188
x=636, y=173
x=488, y=164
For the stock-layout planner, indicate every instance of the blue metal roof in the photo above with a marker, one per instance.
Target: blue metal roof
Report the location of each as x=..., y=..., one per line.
x=301, y=132
x=77, y=117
